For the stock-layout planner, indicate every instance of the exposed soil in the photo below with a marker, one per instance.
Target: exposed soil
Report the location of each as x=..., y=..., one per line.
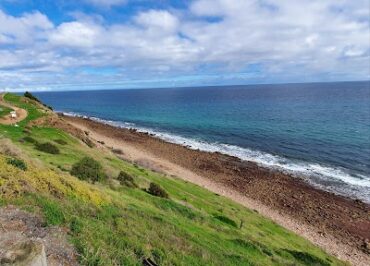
x=55, y=121
x=17, y=226
x=338, y=224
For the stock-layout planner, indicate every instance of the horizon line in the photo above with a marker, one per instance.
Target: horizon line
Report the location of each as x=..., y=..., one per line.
x=177, y=87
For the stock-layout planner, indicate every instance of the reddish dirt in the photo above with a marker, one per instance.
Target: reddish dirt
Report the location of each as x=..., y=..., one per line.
x=56, y=121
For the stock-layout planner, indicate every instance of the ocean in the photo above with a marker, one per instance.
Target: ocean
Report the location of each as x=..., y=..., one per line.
x=316, y=131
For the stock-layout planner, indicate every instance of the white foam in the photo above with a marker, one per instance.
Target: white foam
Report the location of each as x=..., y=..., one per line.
x=337, y=180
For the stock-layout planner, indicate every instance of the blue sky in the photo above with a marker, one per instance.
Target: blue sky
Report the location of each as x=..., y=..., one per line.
x=97, y=44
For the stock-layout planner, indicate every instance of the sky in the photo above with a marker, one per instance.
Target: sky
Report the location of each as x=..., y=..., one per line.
x=111, y=44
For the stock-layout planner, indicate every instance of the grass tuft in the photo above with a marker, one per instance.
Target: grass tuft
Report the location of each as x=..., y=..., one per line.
x=29, y=139
x=20, y=164
x=47, y=147
x=226, y=220
x=307, y=259
x=61, y=141
x=52, y=212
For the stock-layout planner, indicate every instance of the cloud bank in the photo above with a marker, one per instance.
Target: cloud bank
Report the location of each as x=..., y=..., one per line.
x=208, y=42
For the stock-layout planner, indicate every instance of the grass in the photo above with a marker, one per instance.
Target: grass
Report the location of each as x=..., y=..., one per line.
x=226, y=220
x=4, y=110
x=113, y=224
x=33, y=110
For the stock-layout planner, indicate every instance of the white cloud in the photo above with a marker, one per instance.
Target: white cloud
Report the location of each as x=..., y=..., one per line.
x=76, y=34
x=208, y=8
x=284, y=38
x=160, y=20
x=23, y=29
x=106, y=3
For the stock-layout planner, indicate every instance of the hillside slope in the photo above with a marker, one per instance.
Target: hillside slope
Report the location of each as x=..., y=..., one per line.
x=119, y=223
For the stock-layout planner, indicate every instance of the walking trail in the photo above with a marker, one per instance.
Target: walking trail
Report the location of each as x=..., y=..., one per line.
x=8, y=119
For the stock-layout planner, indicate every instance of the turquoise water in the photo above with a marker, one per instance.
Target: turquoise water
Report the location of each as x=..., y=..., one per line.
x=320, y=131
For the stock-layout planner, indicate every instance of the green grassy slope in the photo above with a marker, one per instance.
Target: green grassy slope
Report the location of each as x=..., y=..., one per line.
x=110, y=224
x=4, y=110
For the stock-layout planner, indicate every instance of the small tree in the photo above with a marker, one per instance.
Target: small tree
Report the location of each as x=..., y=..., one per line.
x=88, y=169
x=156, y=190
x=126, y=179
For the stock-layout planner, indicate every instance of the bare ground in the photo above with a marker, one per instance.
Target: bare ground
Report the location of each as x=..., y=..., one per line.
x=17, y=226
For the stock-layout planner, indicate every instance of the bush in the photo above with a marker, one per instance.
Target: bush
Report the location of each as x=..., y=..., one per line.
x=61, y=141
x=29, y=139
x=88, y=169
x=17, y=163
x=156, y=190
x=117, y=151
x=126, y=179
x=89, y=142
x=31, y=96
x=34, y=98
x=47, y=147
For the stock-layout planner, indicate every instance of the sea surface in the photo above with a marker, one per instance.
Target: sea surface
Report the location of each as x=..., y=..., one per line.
x=317, y=131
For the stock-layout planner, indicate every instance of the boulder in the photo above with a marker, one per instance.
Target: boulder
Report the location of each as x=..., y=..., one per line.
x=24, y=253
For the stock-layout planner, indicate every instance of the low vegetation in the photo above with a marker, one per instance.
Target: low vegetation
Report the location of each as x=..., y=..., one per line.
x=226, y=220
x=47, y=147
x=117, y=151
x=61, y=141
x=29, y=139
x=126, y=225
x=88, y=169
x=126, y=179
x=89, y=143
x=157, y=191
x=34, y=98
x=4, y=110
x=31, y=96
x=20, y=164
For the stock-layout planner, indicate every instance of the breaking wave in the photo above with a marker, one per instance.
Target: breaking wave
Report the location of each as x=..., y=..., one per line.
x=333, y=179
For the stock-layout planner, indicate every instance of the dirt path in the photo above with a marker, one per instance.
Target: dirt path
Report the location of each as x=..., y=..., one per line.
x=143, y=157
x=8, y=119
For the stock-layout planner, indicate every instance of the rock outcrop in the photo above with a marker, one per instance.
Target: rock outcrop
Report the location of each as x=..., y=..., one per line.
x=26, y=241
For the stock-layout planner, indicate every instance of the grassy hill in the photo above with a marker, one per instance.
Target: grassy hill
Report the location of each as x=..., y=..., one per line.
x=4, y=110
x=115, y=223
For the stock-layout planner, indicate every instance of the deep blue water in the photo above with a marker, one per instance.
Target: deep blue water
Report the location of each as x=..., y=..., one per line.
x=319, y=131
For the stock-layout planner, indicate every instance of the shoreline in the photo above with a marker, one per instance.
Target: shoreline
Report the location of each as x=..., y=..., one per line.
x=339, y=225
x=323, y=177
